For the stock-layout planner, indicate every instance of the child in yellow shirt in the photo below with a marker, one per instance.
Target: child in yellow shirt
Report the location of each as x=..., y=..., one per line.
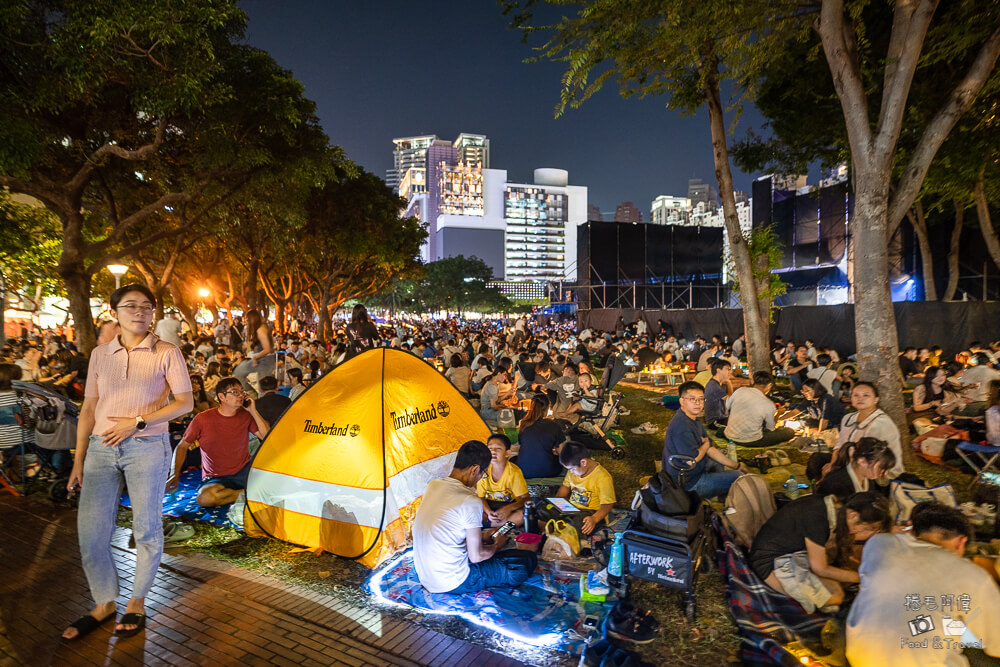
x=502, y=489
x=588, y=486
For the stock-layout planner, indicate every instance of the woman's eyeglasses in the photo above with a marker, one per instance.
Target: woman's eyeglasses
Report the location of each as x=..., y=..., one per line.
x=135, y=308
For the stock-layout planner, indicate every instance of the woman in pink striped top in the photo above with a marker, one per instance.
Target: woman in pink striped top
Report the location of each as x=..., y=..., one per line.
x=122, y=439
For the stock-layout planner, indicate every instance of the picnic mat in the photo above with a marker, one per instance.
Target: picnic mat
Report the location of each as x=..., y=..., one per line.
x=767, y=621
x=543, y=611
x=182, y=505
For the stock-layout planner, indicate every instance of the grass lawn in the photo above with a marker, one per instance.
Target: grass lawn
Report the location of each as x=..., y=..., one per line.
x=711, y=640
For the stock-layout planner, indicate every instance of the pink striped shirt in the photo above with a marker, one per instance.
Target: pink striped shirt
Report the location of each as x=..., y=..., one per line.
x=136, y=382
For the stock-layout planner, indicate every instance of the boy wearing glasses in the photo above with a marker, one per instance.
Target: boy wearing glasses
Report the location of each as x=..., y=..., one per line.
x=223, y=434
x=713, y=472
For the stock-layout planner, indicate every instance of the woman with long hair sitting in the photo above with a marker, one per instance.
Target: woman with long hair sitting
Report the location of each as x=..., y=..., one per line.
x=539, y=439
x=857, y=464
x=789, y=553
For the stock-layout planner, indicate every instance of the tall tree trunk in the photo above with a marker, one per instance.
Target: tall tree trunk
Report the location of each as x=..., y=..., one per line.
x=325, y=322
x=187, y=312
x=78, y=292
x=985, y=224
x=756, y=310
x=874, y=319
x=74, y=273
x=250, y=292
x=953, y=250
x=919, y=222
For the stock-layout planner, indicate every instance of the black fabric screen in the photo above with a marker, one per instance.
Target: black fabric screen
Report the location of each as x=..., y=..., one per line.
x=833, y=223
x=631, y=253
x=919, y=323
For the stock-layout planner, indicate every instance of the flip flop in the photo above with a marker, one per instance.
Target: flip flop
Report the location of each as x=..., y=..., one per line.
x=87, y=624
x=138, y=620
x=782, y=457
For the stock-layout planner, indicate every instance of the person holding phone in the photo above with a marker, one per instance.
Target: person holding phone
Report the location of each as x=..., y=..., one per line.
x=223, y=435
x=122, y=439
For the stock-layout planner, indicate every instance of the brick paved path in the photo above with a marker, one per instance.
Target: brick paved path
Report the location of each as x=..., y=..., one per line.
x=201, y=611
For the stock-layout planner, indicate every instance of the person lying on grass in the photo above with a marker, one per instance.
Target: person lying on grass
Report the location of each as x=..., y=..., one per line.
x=502, y=489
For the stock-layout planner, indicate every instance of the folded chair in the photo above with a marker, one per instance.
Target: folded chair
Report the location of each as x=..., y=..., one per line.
x=981, y=458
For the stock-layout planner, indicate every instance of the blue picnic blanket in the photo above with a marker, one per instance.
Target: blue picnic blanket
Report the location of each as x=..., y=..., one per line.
x=543, y=611
x=182, y=505
x=768, y=622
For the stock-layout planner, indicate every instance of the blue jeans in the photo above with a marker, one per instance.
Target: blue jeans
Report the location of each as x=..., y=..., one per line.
x=715, y=480
x=142, y=463
x=507, y=568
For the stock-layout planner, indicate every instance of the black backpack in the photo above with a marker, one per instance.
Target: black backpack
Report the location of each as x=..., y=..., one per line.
x=664, y=495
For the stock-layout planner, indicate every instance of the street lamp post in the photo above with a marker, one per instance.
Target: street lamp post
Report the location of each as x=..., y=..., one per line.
x=118, y=270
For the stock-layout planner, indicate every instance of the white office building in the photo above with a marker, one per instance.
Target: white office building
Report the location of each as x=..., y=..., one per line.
x=541, y=221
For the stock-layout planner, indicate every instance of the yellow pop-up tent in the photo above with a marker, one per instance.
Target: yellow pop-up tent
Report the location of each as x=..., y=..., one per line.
x=345, y=467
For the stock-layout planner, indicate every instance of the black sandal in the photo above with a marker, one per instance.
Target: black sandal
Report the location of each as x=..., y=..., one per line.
x=85, y=625
x=138, y=620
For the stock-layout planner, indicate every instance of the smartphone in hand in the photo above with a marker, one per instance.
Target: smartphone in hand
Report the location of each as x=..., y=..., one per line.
x=246, y=402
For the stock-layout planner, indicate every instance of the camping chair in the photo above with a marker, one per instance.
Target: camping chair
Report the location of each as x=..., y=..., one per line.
x=603, y=417
x=988, y=456
x=10, y=415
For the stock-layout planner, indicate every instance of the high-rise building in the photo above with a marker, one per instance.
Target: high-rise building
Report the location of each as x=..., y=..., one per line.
x=627, y=212
x=524, y=232
x=702, y=192
x=594, y=213
x=669, y=210
x=541, y=220
x=408, y=152
x=473, y=150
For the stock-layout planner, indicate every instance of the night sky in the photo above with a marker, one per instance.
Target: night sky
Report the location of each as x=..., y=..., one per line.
x=384, y=69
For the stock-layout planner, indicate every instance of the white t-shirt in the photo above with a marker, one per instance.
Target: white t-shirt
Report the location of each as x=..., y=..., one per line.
x=983, y=375
x=169, y=329
x=900, y=575
x=448, y=509
x=824, y=376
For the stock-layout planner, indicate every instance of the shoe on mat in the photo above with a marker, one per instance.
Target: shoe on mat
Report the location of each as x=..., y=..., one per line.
x=646, y=428
x=624, y=412
x=627, y=623
x=87, y=624
x=138, y=620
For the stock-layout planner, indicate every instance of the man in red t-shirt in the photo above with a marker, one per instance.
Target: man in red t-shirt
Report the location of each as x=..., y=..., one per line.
x=223, y=434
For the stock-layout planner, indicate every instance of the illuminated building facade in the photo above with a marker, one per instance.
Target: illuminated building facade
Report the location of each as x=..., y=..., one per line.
x=541, y=220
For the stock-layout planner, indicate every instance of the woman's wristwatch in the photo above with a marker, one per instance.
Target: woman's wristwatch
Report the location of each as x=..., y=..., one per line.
x=140, y=423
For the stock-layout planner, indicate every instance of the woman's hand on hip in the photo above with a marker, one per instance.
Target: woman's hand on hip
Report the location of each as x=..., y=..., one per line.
x=123, y=429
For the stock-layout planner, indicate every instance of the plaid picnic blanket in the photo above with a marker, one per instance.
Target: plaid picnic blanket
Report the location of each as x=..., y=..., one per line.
x=767, y=621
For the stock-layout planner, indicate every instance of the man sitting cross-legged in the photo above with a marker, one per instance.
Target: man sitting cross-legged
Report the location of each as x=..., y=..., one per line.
x=223, y=434
x=450, y=549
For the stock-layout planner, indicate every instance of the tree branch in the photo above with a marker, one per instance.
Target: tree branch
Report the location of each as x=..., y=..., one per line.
x=900, y=70
x=118, y=235
x=840, y=46
x=937, y=130
x=79, y=180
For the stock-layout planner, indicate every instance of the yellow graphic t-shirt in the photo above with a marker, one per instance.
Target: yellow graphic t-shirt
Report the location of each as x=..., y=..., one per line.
x=592, y=491
x=507, y=489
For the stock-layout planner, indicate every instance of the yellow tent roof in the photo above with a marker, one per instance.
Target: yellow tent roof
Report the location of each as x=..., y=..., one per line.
x=345, y=467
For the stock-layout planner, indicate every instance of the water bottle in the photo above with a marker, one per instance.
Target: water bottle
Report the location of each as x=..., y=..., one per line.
x=792, y=487
x=731, y=450
x=529, y=516
x=617, y=556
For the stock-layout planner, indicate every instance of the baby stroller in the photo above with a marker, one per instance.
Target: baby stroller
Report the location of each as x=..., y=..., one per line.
x=670, y=540
x=594, y=424
x=53, y=420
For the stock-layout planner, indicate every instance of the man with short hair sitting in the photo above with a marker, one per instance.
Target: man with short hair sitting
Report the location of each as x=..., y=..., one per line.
x=713, y=472
x=916, y=586
x=715, y=393
x=751, y=415
x=270, y=404
x=450, y=550
x=223, y=435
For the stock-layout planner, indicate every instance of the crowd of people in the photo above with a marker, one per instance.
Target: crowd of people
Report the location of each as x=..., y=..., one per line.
x=237, y=377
